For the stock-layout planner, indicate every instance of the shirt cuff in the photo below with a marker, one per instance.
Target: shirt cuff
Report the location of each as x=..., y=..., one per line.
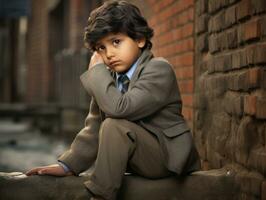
x=65, y=167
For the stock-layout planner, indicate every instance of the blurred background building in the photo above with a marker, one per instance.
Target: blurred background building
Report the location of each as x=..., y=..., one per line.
x=217, y=49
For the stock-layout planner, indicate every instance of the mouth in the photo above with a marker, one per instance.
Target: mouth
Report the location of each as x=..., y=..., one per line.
x=114, y=63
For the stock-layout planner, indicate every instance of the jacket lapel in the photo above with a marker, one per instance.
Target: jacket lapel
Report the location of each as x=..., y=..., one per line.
x=145, y=57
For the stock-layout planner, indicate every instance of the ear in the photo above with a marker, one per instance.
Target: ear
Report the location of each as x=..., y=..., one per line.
x=141, y=42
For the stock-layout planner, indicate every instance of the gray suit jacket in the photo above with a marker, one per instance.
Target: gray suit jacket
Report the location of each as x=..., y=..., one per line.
x=153, y=101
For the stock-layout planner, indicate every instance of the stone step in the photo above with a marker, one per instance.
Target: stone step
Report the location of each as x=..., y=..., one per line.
x=203, y=185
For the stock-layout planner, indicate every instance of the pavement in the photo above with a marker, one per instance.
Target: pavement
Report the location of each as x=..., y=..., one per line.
x=23, y=147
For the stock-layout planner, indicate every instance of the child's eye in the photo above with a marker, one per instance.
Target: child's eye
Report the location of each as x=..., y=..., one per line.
x=100, y=48
x=116, y=42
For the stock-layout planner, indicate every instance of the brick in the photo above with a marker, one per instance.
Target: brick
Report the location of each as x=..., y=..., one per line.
x=154, y=20
x=263, y=78
x=202, y=24
x=254, y=78
x=183, y=32
x=243, y=58
x=166, y=38
x=263, y=26
x=163, y=27
x=176, y=48
x=252, y=30
x=250, y=103
x=172, y=10
x=202, y=43
x=182, y=60
x=250, y=53
x=187, y=113
x=161, y=5
x=239, y=59
x=184, y=73
x=261, y=112
x=230, y=16
x=201, y=7
x=260, y=54
x=187, y=100
x=227, y=62
x=211, y=65
x=236, y=59
x=183, y=46
x=186, y=86
x=218, y=63
x=240, y=34
x=213, y=43
x=242, y=81
x=216, y=5
x=222, y=41
x=217, y=22
x=238, y=82
x=232, y=38
x=243, y=9
x=183, y=18
x=223, y=63
x=258, y=6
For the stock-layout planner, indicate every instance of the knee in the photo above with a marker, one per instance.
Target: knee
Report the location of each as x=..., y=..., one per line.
x=111, y=126
x=110, y=123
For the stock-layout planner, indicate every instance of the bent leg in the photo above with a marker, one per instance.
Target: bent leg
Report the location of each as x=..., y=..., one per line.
x=121, y=143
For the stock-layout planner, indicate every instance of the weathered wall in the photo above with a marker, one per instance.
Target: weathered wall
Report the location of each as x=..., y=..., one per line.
x=230, y=83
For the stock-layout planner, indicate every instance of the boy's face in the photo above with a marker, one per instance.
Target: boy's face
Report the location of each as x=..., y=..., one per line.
x=119, y=51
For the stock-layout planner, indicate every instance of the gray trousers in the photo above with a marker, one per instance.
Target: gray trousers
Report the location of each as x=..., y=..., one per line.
x=124, y=145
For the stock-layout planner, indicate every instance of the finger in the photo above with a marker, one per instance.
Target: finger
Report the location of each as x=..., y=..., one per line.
x=42, y=172
x=32, y=171
x=55, y=170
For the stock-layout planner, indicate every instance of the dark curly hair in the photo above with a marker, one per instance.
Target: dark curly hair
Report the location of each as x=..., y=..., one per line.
x=117, y=17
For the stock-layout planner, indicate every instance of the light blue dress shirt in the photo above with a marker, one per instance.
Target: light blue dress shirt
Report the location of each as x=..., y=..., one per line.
x=129, y=74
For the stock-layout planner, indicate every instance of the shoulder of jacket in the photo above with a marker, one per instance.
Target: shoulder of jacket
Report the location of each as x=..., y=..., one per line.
x=160, y=63
x=159, y=59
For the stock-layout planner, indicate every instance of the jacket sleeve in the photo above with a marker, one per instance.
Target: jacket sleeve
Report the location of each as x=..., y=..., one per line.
x=148, y=94
x=83, y=150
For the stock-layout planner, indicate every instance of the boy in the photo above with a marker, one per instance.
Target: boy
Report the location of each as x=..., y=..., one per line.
x=135, y=122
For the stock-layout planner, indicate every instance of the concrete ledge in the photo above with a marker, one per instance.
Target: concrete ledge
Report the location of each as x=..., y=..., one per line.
x=207, y=185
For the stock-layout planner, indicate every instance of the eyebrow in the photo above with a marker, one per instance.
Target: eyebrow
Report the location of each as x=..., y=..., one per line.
x=109, y=39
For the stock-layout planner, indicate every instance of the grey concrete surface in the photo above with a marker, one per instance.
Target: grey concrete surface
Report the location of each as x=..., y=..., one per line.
x=203, y=185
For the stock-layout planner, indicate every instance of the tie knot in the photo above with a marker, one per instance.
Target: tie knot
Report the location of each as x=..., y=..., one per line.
x=124, y=80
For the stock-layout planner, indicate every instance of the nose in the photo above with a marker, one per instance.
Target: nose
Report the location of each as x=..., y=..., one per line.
x=109, y=53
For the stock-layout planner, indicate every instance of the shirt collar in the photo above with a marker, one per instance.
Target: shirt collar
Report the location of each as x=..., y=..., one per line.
x=130, y=71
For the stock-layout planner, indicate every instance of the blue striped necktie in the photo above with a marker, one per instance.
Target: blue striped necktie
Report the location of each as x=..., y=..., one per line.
x=124, y=80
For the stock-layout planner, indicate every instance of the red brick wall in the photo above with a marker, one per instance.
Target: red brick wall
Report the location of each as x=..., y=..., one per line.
x=173, y=23
x=230, y=86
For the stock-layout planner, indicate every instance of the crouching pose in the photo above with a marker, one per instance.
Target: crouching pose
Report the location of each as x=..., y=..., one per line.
x=135, y=122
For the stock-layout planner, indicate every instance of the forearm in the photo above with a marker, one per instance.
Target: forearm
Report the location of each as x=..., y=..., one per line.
x=83, y=150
